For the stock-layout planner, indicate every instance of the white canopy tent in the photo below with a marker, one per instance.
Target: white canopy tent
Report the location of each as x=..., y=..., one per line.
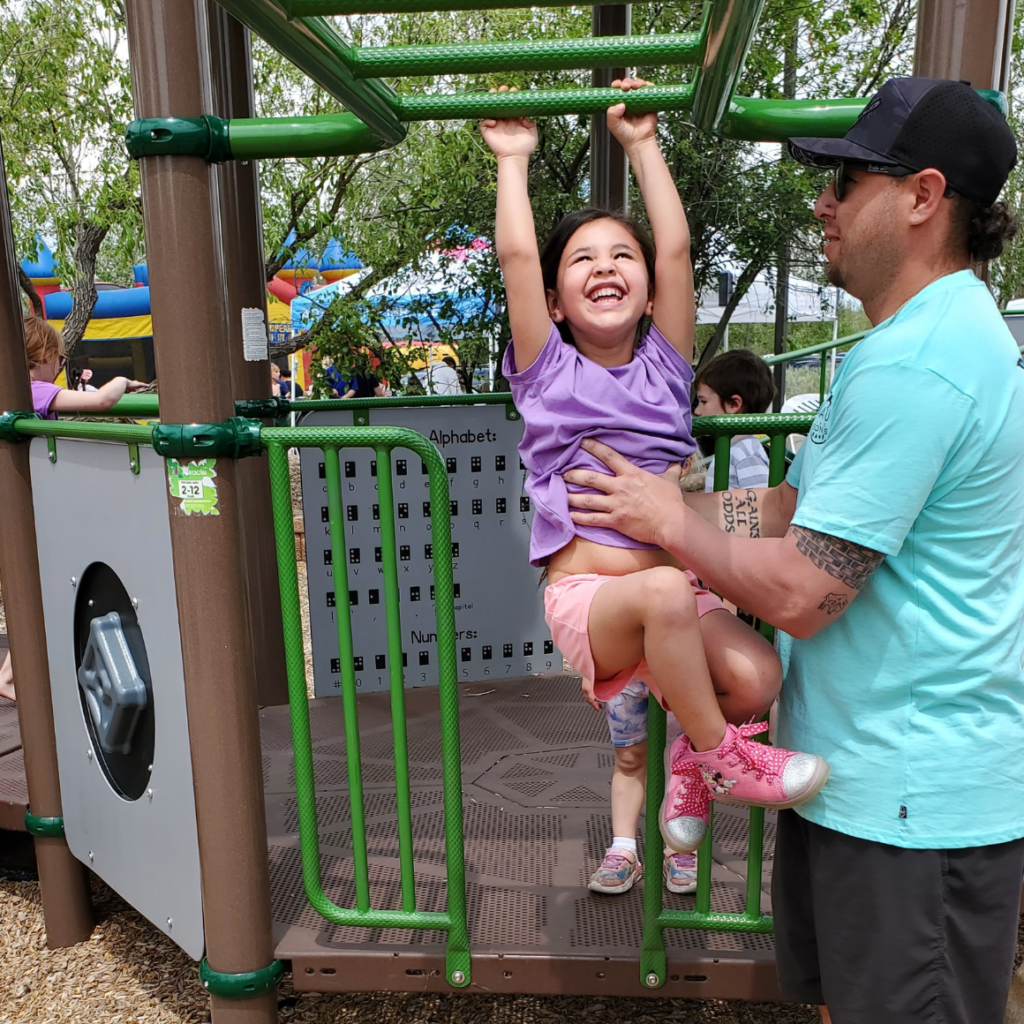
x=808, y=303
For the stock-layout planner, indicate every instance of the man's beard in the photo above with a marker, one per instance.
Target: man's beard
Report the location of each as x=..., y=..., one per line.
x=834, y=275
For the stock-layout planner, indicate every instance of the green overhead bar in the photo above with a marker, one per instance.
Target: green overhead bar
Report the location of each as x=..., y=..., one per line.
x=378, y=116
x=587, y=53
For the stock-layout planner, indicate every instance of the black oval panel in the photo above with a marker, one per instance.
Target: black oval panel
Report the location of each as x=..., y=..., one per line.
x=100, y=592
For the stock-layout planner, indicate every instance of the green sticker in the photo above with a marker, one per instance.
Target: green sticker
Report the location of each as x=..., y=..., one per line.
x=192, y=482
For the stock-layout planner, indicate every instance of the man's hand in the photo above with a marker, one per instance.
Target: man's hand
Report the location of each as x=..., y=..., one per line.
x=633, y=501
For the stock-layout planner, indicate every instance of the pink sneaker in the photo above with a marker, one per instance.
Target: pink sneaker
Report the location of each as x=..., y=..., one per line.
x=740, y=771
x=684, y=816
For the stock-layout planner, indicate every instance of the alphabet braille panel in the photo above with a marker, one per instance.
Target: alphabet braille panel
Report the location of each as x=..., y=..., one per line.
x=499, y=604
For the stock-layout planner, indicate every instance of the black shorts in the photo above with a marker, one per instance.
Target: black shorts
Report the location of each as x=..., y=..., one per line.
x=886, y=935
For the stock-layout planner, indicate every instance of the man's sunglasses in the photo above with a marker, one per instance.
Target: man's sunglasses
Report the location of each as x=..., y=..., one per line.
x=841, y=182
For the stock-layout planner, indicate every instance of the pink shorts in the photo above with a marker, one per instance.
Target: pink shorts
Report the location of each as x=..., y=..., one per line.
x=567, y=613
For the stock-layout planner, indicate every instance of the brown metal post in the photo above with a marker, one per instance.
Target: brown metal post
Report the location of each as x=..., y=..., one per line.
x=242, y=239
x=609, y=169
x=67, y=904
x=170, y=60
x=965, y=39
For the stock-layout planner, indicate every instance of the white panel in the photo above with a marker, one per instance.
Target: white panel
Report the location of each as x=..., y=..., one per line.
x=90, y=507
x=499, y=608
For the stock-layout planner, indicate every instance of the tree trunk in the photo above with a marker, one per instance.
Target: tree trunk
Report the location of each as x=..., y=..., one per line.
x=88, y=239
x=742, y=286
x=35, y=300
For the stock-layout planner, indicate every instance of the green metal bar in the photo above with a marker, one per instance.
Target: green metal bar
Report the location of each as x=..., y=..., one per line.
x=653, y=965
x=714, y=920
x=130, y=433
x=541, y=103
x=302, y=8
x=343, y=622
x=760, y=120
x=723, y=457
x=277, y=440
x=755, y=865
x=532, y=55
x=393, y=621
x=759, y=423
x=825, y=346
x=777, y=459
x=730, y=33
x=315, y=48
x=398, y=402
x=265, y=138
x=823, y=379
x=705, y=858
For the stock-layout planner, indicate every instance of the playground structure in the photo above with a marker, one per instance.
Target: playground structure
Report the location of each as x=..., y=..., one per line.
x=231, y=577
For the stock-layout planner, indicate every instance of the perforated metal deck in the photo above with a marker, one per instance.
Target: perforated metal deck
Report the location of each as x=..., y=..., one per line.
x=536, y=780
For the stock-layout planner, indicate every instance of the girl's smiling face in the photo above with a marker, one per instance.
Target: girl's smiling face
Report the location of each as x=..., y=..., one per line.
x=603, y=287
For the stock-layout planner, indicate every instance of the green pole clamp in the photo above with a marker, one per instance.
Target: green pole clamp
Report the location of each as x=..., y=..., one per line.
x=263, y=408
x=8, y=421
x=45, y=828
x=236, y=438
x=241, y=986
x=205, y=136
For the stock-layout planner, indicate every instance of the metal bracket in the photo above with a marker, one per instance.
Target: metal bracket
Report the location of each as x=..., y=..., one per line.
x=51, y=448
x=205, y=136
x=45, y=828
x=360, y=417
x=133, y=458
x=263, y=408
x=8, y=424
x=241, y=986
x=236, y=438
x=511, y=412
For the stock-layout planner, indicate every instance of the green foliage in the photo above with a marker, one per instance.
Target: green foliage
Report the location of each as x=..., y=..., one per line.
x=65, y=97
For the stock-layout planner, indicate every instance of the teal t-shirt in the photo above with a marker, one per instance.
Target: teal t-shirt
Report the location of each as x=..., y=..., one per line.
x=915, y=695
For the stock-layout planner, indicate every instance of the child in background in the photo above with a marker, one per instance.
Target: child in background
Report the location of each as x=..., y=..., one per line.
x=733, y=383
x=45, y=349
x=583, y=362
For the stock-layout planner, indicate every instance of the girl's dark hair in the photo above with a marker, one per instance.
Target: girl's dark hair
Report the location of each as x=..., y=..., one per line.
x=551, y=255
x=739, y=372
x=982, y=230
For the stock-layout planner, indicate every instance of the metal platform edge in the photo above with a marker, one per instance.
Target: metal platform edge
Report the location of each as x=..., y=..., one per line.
x=517, y=974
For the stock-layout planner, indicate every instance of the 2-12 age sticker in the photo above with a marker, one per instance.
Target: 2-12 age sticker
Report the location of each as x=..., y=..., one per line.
x=193, y=483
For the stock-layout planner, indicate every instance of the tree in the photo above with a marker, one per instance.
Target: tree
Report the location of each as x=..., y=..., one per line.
x=65, y=99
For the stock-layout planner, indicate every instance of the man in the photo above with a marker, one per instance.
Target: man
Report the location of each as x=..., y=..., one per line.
x=443, y=378
x=893, y=558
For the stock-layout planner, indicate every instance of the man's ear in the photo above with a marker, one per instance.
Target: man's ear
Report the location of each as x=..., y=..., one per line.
x=553, y=311
x=733, y=405
x=929, y=188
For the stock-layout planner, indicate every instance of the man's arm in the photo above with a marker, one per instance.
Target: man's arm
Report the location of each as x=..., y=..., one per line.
x=795, y=578
x=761, y=512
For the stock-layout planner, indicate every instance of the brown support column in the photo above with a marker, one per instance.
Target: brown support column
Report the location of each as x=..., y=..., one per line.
x=242, y=239
x=609, y=169
x=67, y=905
x=169, y=49
x=965, y=39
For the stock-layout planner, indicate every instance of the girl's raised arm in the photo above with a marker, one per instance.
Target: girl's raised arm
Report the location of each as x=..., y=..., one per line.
x=675, y=311
x=512, y=140
x=100, y=400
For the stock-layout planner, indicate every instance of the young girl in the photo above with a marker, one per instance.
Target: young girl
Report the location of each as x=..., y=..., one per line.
x=46, y=359
x=584, y=363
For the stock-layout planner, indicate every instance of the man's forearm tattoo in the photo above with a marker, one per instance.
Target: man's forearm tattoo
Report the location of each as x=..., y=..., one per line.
x=739, y=511
x=834, y=604
x=842, y=559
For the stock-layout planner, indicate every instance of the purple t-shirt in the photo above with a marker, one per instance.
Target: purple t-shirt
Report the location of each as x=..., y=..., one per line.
x=641, y=409
x=43, y=394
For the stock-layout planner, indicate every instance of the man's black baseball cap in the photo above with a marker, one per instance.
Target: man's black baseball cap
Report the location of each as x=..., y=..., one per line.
x=926, y=122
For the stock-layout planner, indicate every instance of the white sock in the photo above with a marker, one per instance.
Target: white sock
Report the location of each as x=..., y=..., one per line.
x=620, y=843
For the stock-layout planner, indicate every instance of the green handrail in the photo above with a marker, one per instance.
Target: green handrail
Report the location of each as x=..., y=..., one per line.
x=326, y=8
x=653, y=959
x=539, y=55
x=810, y=350
x=331, y=440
